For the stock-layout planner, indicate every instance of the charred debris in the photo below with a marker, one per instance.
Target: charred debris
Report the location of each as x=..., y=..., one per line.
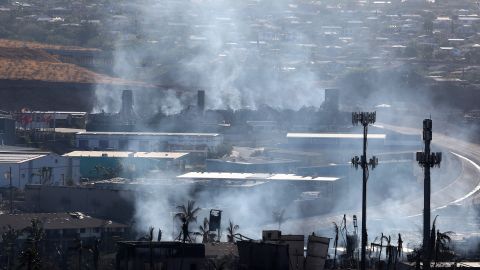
x=197, y=118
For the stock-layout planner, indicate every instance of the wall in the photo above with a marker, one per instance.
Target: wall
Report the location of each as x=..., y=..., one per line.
x=116, y=205
x=28, y=172
x=150, y=142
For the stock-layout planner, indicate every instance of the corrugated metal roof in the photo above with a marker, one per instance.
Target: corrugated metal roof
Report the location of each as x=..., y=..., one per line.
x=125, y=154
x=253, y=176
x=18, y=157
x=335, y=135
x=51, y=221
x=146, y=133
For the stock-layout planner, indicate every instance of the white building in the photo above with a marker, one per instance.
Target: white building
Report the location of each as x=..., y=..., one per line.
x=28, y=166
x=148, y=141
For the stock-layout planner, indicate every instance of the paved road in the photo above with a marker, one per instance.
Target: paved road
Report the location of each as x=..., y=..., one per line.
x=398, y=216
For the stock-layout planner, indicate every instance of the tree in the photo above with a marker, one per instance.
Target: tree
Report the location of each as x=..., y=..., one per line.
x=335, y=245
x=279, y=217
x=30, y=256
x=186, y=215
x=9, y=239
x=231, y=229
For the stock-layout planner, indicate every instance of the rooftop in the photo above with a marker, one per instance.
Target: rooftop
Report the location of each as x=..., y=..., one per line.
x=18, y=157
x=55, y=221
x=146, y=133
x=125, y=154
x=253, y=176
x=335, y=136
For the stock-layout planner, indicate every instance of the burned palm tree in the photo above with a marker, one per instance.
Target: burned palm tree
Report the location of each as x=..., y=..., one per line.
x=399, y=246
x=30, y=256
x=78, y=246
x=433, y=235
x=442, y=246
x=186, y=215
x=335, y=245
x=95, y=250
x=389, y=252
x=9, y=239
x=231, y=231
x=279, y=217
x=222, y=263
x=204, y=232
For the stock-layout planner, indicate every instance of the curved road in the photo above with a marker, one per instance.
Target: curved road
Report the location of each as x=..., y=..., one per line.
x=406, y=215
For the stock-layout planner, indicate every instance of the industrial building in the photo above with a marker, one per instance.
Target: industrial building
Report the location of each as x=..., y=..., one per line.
x=94, y=164
x=252, y=165
x=160, y=255
x=30, y=166
x=375, y=140
x=286, y=252
x=7, y=129
x=49, y=119
x=66, y=228
x=63, y=225
x=148, y=141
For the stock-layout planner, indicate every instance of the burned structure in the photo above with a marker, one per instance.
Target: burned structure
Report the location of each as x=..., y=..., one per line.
x=196, y=118
x=124, y=120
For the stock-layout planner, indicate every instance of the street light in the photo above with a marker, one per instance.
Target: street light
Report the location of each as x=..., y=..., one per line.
x=364, y=119
x=8, y=176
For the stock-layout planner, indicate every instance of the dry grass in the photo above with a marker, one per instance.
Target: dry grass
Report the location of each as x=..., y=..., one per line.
x=28, y=61
x=21, y=69
x=8, y=43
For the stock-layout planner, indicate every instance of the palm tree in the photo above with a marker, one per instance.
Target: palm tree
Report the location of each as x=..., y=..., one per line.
x=30, y=255
x=9, y=239
x=279, y=217
x=231, y=231
x=335, y=245
x=400, y=246
x=204, y=232
x=442, y=243
x=186, y=215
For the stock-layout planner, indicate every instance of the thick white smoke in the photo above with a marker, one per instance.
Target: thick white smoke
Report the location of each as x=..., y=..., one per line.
x=244, y=54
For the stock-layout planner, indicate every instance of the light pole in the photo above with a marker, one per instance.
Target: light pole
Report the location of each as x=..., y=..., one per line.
x=364, y=119
x=427, y=160
x=8, y=176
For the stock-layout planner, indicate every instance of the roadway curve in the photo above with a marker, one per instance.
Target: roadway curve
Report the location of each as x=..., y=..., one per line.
x=383, y=217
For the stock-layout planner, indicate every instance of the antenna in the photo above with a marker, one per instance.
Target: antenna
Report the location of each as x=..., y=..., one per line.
x=364, y=119
x=427, y=160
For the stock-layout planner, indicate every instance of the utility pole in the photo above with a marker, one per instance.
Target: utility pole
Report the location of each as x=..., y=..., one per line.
x=364, y=119
x=427, y=160
x=8, y=176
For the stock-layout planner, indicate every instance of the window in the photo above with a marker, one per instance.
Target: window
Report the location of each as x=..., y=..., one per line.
x=103, y=144
x=123, y=145
x=143, y=146
x=82, y=230
x=83, y=144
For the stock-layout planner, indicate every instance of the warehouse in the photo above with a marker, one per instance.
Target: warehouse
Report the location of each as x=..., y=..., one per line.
x=148, y=141
x=29, y=166
x=95, y=164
